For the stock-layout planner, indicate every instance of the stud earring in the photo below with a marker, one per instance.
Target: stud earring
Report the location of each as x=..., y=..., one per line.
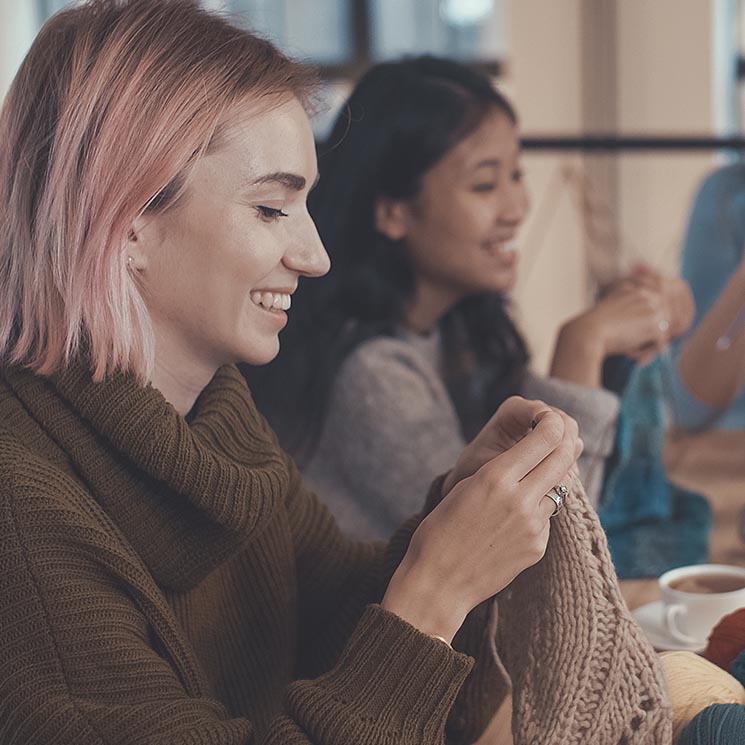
x=130, y=262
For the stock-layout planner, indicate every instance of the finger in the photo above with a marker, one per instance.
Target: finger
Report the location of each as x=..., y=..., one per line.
x=532, y=449
x=648, y=353
x=553, y=469
x=546, y=507
x=579, y=447
x=514, y=415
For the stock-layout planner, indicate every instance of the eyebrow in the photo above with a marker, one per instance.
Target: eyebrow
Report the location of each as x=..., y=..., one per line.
x=290, y=180
x=494, y=162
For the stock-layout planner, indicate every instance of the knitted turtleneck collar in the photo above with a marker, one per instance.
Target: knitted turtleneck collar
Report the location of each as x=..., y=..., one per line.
x=186, y=497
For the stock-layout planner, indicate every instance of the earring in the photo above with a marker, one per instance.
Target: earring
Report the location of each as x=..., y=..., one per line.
x=130, y=262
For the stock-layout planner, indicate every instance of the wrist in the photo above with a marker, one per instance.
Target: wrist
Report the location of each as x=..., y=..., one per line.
x=423, y=603
x=579, y=353
x=584, y=337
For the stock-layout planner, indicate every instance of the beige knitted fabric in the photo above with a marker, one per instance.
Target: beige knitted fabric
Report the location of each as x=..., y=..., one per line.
x=582, y=670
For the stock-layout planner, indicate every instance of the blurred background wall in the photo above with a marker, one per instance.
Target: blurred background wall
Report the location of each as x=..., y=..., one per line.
x=572, y=67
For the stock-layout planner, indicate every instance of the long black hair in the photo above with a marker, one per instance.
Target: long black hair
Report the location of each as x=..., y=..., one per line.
x=401, y=119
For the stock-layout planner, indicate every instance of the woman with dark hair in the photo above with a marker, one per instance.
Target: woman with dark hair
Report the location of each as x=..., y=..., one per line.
x=403, y=352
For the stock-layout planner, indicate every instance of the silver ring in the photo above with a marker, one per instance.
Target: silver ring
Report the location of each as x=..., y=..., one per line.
x=558, y=495
x=663, y=325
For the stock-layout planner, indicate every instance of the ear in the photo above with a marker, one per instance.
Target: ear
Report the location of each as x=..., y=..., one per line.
x=391, y=218
x=139, y=243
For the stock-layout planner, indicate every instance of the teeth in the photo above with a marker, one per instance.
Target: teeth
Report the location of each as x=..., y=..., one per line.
x=271, y=300
x=507, y=247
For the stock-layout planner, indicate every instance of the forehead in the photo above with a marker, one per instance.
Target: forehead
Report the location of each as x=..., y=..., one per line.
x=255, y=138
x=495, y=139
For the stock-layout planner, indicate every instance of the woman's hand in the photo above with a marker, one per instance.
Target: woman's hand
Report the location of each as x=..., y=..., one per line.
x=676, y=294
x=631, y=320
x=493, y=524
x=637, y=317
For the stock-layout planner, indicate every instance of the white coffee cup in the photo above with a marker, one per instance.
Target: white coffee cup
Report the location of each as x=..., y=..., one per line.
x=689, y=617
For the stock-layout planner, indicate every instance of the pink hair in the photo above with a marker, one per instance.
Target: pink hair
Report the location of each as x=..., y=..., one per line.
x=111, y=107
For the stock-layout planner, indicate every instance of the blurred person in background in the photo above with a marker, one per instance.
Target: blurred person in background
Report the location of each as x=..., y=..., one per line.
x=707, y=373
x=407, y=347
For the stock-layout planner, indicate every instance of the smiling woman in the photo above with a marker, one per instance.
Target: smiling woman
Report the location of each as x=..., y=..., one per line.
x=166, y=577
x=219, y=269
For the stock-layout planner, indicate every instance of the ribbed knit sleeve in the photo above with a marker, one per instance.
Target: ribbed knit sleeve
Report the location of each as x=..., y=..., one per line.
x=582, y=670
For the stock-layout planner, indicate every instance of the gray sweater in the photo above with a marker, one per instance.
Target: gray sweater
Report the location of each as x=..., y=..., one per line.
x=391, y=427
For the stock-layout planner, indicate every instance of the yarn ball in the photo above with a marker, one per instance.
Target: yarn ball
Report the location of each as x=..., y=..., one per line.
x=694, y=683
x=727, y=639
x=720, y=724
x=737, y=668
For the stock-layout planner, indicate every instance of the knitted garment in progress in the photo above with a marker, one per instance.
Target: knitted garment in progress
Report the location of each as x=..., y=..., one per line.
x=167, y=583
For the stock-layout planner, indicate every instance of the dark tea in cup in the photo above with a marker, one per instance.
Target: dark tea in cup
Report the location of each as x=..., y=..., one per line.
x=710, y=583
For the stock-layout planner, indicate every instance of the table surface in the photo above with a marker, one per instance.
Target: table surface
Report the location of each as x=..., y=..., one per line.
x=713, y=464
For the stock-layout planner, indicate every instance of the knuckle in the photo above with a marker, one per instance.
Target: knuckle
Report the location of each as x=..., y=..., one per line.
x=494, y=481
x=571, y=426
x=553, y=427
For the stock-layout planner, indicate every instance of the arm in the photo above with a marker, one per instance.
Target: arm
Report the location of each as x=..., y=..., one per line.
x=704, y=379
x=712, y=371
x=390, y=429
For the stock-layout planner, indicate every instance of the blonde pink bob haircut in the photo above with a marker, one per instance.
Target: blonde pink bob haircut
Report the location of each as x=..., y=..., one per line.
x=110, y=109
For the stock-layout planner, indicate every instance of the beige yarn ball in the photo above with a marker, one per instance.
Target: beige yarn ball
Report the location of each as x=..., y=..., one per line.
x=693, y=683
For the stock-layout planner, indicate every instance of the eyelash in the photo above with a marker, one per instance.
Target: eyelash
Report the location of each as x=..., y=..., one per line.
x=516, y=176
x=269, y=214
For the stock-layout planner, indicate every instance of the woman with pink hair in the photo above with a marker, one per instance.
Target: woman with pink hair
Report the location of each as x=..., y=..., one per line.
x=165, y=577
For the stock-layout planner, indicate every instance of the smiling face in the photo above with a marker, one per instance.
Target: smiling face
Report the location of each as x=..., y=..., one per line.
x=218, y=269
x=460, y=230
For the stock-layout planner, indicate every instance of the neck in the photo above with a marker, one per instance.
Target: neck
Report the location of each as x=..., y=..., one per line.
x=428, y=306
x=179, y=376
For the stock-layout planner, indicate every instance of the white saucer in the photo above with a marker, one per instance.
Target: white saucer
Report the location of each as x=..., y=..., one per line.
x=649, y=617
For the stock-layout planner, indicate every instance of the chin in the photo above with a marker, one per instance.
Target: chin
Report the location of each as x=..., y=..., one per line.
x=262, y=352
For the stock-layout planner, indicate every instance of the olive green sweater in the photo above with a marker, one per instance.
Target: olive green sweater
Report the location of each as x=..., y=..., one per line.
x=162, y=582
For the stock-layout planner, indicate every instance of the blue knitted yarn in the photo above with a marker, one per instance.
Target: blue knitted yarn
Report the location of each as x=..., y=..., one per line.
x=737, y=667
x=720, y=724
x=652, y=525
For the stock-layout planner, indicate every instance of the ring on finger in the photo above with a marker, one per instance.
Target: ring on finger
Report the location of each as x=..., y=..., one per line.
x=558, y=496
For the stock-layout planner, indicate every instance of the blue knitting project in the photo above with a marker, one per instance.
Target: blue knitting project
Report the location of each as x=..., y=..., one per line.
x=719, y=724
x=652, y=525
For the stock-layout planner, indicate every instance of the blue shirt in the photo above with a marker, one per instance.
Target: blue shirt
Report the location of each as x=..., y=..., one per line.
x=713, y=249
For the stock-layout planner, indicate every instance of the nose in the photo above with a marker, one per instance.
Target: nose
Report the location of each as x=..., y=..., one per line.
x=516, y=203
x=307, y=255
